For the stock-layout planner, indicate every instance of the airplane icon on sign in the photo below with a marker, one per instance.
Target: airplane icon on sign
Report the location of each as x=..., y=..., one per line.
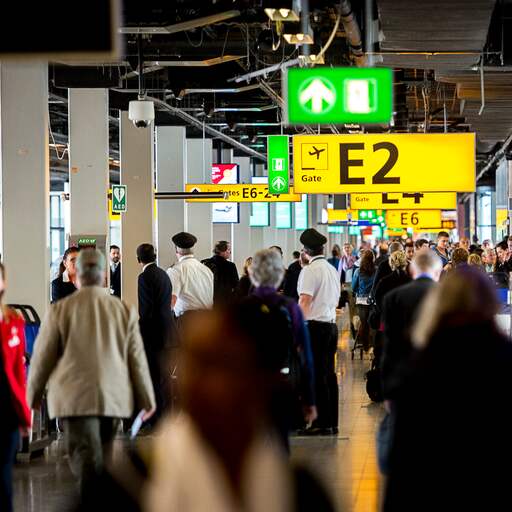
x=316, y=152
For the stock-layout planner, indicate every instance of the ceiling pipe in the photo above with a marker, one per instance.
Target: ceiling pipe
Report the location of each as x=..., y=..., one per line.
x=353, y=32
x=208, y=129
x=496, y=157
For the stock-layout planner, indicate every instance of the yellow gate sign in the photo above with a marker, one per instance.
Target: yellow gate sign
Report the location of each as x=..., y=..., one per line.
x=404, y=201
x=242, y=193
x=415, y=219
x=388, y=162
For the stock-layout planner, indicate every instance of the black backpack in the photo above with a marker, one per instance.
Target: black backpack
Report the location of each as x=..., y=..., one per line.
x=275, y=328
x=374, y=383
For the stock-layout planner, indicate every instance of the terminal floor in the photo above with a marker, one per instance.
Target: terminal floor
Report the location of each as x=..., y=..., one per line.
x=346, y=464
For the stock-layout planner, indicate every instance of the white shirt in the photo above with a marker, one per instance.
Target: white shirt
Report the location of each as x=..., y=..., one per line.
x=320, y=280
x=192, y=283
x=188, y=477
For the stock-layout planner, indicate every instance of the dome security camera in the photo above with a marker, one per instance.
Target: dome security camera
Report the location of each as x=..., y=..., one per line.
x=141, y=113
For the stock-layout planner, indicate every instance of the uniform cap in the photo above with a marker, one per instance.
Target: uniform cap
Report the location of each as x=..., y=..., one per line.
x=184, y=240
x=312, y=238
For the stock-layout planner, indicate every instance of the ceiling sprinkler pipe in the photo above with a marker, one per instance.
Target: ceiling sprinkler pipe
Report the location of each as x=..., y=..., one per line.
x=353, y=33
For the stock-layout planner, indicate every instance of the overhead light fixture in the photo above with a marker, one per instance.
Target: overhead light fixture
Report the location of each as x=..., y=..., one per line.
x=294, y=34
x=282, y=10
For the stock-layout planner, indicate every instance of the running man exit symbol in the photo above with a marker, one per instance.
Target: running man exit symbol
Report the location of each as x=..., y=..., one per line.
x=278, y=164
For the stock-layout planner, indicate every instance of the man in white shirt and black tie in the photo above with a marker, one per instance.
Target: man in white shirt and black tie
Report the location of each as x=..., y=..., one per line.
x=192, y=282
x=319, y=292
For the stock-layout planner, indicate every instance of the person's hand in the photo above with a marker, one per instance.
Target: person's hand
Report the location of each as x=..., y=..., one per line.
x=387, y=405
x=25, y=431
x=310, y=413
x=148, y=414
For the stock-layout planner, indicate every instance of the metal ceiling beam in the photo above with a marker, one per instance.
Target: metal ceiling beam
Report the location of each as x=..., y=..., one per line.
x=203, y=126
x=184, y=26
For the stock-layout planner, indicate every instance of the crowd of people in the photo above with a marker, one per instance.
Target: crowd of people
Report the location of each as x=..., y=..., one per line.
x=246, y=360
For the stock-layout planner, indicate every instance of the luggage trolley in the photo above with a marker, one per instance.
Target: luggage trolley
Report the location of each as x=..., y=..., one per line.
x=41, y=435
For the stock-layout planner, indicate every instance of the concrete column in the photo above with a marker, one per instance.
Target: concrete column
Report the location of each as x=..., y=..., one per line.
x=88, y=161
x=171, y=164
x=137, y=225
x=241, y=240
x=198, y=216
x=25, y=182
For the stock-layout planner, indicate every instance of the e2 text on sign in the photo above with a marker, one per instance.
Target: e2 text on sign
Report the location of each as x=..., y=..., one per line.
x=340, y=164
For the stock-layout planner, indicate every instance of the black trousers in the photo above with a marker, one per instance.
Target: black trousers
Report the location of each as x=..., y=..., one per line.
x=8, y=446
x=324, y=343
x=88, y=443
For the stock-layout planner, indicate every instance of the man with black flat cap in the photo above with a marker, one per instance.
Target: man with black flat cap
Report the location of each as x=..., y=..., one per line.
x=192, y=282
x=319, y=292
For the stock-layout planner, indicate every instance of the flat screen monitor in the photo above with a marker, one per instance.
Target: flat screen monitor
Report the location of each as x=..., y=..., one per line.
x=260, y=212
x=301, y=213
x=225, y=213
x=283, y=215
x=60, y=30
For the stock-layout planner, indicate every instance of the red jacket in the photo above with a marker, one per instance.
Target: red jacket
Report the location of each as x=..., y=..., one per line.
x=12, y=344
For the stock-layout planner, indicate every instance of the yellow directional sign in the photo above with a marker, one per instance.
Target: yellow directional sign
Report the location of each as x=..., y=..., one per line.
x=404, y=201
x=416, y=219
x=242, y=193
x=388, y=162
x=341, y=215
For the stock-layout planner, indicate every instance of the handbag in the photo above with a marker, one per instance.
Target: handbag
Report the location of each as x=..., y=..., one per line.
x=362, y=300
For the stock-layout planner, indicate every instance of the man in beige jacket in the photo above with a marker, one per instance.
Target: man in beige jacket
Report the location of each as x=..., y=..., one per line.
x=90, y=353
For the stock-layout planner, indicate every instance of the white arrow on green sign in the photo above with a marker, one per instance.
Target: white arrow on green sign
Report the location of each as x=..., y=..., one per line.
x=338, y=95
x=317, y=95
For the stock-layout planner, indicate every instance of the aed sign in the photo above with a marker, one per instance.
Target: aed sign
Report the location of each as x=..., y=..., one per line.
x=415, y=219
x=391, y=162
x=119, y=198
x=324, y=95
x=404, y=201
x=242, y=193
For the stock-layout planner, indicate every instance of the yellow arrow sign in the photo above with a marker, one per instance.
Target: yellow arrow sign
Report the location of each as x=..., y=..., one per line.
x=341, y=215
x=242, y=193
x=362, y=163
x=404, y=201
x=416, y=219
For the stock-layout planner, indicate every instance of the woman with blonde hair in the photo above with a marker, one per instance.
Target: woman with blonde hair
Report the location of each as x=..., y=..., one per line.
x=452, y=422
x=244, y=284
x=475, y=260
x=399, y=276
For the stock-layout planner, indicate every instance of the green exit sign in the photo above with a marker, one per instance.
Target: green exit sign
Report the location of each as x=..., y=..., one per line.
x=278, y=164
x=338, y=95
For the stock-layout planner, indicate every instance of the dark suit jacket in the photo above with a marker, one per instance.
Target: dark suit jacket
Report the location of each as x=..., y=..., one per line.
x=155, y=315
x=383, y=270
x=291, y=279
x=225, y=278
x=60, y=289
x=453, y=424
x=115, y=281
x=399, y=311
